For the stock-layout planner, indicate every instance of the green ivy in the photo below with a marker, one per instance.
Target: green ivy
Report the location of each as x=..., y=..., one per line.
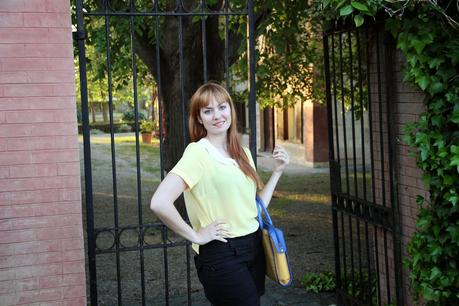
x=319, y=282
x=431, y=48
x=356, y=284
x=429, y=39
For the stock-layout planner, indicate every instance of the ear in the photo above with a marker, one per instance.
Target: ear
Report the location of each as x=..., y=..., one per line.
x=199, y=120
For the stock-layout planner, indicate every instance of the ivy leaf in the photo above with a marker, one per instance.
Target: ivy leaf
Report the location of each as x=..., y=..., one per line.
x=360, y=6
x=455, y=162
x=436, y=88
x=424, y=154
x=453, y=199
x=455, y=115
x=340, y=4
x=358, y=20
x=348, y=9
x=448, y=179
x=326, y=3
x=419, y=199
x=418, y=45
x=453, y=54
x=423, y=81
x=422, y=223
x=434, y=63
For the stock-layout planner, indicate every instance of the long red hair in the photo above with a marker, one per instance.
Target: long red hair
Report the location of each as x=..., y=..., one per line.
x=202, y=98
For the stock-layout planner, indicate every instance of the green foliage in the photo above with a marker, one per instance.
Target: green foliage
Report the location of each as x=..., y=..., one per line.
x=290, y=41
x=148, y=126
x=118, y=32
x=129, y=116
x=429, y=39
x=319, y=282
x=289, y=54
x=432, y=50
x=357, y=10
x=124, y=128
x=105, y=128
x=357, y=284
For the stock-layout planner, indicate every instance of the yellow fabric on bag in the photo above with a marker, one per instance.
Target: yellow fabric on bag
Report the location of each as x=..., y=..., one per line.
x=277, y=267
x=217, y=189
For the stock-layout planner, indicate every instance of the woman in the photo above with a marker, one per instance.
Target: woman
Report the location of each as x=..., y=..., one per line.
x=220, y=183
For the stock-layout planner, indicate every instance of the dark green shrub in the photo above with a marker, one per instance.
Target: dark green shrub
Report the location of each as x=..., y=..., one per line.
x=129, y=116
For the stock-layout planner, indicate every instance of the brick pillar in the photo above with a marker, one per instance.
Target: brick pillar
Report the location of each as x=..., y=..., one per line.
x=41, y=240
x=408, y=109
x=315, y=134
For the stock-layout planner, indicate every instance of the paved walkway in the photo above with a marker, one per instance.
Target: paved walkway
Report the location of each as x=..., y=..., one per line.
x=297, y=166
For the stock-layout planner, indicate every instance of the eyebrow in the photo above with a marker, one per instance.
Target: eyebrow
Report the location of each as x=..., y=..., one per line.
x=208, y=107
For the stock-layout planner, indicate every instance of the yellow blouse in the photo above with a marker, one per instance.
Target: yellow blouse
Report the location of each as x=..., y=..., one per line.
x=217, y=189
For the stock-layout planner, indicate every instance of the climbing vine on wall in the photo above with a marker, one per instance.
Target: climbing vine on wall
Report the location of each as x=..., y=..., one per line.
x=428, y=36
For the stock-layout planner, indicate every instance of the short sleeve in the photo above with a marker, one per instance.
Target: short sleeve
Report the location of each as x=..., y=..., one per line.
x=190, y=166
x=249, y=155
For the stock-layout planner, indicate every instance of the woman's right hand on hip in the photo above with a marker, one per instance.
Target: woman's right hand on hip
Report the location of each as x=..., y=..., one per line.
x=217, y=230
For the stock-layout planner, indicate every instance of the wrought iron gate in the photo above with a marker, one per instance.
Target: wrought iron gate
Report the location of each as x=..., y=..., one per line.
x=359, y=92
x=126, y=259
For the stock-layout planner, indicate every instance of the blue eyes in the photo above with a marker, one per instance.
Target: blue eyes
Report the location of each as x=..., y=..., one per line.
x=221, y=107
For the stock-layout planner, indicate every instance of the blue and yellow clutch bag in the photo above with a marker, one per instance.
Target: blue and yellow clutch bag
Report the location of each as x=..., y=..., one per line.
x=277, y=262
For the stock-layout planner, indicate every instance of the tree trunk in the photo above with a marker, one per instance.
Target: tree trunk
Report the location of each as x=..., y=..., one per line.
x=175, y=92
x=93, y=112
x=105, y=111
x=268, y=131
x=174, y=101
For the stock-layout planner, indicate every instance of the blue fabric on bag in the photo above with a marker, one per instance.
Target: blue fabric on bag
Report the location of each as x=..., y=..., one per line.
x=276, y=235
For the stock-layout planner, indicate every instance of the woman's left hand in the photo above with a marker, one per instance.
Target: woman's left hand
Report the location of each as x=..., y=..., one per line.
x=281, y=159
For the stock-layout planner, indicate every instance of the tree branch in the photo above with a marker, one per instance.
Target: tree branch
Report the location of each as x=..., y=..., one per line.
x=147, y=52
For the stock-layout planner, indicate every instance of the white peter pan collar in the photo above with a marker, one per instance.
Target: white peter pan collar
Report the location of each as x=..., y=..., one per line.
x=216, y=154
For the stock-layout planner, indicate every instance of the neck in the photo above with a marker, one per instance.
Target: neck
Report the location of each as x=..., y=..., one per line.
x=218, y=141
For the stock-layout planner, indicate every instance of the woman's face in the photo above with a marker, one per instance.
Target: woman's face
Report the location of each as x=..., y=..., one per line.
x=216, y=117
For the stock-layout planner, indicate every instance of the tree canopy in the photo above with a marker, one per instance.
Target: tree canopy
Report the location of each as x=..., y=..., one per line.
x=287, y=45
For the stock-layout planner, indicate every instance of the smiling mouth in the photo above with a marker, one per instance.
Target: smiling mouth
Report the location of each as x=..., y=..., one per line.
x=219, y=124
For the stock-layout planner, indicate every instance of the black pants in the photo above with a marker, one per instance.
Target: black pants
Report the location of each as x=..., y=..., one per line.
x=233, y=273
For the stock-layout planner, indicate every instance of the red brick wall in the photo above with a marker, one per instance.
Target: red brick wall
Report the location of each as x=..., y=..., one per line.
x=41, y=241
x=408, y=108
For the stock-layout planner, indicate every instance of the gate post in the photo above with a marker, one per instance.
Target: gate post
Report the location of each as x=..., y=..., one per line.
x=41, y=236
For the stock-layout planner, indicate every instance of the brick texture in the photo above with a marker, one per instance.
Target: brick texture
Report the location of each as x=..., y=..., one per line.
x=41, y=237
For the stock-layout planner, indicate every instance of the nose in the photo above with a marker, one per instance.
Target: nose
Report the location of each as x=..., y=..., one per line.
x=217, y=114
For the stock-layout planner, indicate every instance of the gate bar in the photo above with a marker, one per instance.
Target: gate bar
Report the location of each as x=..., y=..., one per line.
x=383, y=180
x=112, y=147
x=364, y=171
x=373, y=183
x=389, y=47
x=80, y=38
x=343, y=110
x=137, y=150
x=252, y=97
